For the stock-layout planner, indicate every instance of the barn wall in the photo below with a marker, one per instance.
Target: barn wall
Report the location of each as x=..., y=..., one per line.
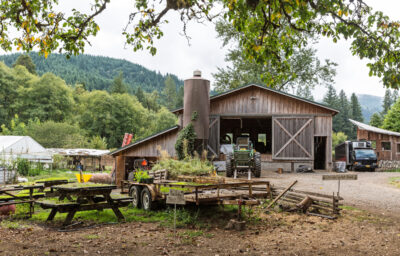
x=254, y=100
x=379, y=138
x=150, y=148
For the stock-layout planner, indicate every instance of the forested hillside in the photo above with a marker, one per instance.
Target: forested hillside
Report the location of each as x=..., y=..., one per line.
x=74, y=117
x=96, y=72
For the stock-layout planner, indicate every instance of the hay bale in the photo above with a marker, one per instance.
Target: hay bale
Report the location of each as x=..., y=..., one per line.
x=103, y=178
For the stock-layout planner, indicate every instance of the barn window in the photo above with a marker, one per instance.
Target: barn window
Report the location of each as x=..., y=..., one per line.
x=398, y=148
x=386, y=145
x=373, y=144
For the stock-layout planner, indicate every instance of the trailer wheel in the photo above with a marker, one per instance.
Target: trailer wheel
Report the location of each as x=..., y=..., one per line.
x=134, y=192
x=257, y=169
x=228, y=165
x=147, y=203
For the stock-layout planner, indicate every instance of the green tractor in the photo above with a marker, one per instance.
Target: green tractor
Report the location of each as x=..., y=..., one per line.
x=243, y=158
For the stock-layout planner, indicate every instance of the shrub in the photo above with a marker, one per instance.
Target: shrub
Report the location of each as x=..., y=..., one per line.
x=23, y=167
x=185, y=143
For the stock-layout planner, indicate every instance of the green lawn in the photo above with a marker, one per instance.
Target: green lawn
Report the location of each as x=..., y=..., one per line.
x=395, y=181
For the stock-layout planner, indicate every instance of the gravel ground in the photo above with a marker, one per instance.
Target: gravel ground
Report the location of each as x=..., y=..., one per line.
x=371, y=191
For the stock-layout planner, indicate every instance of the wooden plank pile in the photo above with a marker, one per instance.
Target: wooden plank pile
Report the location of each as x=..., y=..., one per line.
x=308, y=202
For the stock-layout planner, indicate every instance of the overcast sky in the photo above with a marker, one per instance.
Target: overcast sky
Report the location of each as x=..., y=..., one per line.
x=205, y=52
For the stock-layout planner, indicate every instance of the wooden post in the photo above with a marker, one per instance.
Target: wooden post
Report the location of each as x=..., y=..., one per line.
x=282, y=193
x=292, y=166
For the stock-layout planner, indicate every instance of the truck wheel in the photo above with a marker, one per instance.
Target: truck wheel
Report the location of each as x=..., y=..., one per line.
x=147, y=203
x=257, y=169
x=134, y=192
x=228, y=165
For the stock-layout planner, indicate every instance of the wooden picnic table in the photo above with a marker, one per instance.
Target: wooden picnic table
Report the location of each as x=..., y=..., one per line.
x=84, y=198
x=20, y=199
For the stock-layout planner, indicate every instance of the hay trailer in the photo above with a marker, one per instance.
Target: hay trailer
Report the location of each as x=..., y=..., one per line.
x=198, y=190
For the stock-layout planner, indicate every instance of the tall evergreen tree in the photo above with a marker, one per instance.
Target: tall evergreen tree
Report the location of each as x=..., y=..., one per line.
x=118, y=85
x=179, y=97
x=342, y=120
x=376, y=120
x=26, y=61
x=395, y=96
x=355, y=114
x=387, y=102
x=140, y=95
x=355, y=109
x=169, y=93
x=331, y=98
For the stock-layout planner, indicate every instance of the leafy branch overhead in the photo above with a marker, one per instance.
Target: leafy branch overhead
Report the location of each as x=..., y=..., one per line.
x=271, y=30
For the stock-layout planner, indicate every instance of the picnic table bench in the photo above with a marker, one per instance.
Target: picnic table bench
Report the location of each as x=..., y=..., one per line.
x=12, y=198
x=84, y=198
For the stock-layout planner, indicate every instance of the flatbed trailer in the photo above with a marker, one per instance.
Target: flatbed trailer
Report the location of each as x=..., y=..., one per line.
x=198, y=190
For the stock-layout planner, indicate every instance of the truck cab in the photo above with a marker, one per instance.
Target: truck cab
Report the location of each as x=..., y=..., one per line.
x=358, y=155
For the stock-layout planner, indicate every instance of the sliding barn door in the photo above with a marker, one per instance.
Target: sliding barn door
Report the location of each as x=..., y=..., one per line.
x=213, y=139
x=293, y=138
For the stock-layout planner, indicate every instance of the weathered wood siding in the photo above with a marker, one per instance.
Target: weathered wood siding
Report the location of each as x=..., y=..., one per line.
x=379, y=138
x=257, y=101
x=150, y=148
x=293, y=138
x=119, y=169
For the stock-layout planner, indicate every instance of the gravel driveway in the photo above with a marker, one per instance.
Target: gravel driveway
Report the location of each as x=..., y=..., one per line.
x=371, y=191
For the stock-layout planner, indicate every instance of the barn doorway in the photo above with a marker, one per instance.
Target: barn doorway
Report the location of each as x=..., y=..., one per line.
x=259, y=129
x=319, y=153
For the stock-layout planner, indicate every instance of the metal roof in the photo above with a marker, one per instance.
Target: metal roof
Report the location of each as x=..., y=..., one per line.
x=175, y=127
x=78, y=151
x=216, y=96
x=370, y=128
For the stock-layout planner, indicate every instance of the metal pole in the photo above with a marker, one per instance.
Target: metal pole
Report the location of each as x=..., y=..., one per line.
x=338, y=190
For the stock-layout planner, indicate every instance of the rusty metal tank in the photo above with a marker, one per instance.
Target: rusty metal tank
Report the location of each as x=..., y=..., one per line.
x=196, y=104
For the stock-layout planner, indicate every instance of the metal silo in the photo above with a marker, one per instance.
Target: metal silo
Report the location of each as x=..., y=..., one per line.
x=196, y=105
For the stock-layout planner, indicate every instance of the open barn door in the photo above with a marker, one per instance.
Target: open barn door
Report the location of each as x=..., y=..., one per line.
x=293, y=138
x=213, y=140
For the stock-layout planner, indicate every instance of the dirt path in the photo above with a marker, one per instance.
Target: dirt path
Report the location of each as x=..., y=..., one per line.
x=371, y=191
x=356, y=233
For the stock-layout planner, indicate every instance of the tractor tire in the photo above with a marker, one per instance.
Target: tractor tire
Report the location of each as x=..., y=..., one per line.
x=147, y=202
x=228, y=165
x=257, y=169
x=134, y=192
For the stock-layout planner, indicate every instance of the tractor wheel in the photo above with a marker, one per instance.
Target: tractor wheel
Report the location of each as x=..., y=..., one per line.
x=147, y=203
x=228, y=165
x=257, y=169
x=134, y=192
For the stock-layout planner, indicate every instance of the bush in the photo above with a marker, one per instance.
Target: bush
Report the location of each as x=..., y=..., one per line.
x=23, y=167
x=185, y=143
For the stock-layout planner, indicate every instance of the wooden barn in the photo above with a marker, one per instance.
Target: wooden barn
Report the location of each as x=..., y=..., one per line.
x=287, y=130
x=386, y=143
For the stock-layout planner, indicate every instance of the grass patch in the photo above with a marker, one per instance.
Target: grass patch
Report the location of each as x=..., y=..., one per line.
x=11, y=224
x=394, y=170
x=186, y=217
x=395, y=181
x=348, y=208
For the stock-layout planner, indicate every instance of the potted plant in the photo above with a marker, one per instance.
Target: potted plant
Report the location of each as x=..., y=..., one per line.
x=143, y=177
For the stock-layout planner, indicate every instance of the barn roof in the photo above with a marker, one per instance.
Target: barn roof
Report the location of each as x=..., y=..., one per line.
x=219, y=95
x=370, y=128
x=168, y=130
